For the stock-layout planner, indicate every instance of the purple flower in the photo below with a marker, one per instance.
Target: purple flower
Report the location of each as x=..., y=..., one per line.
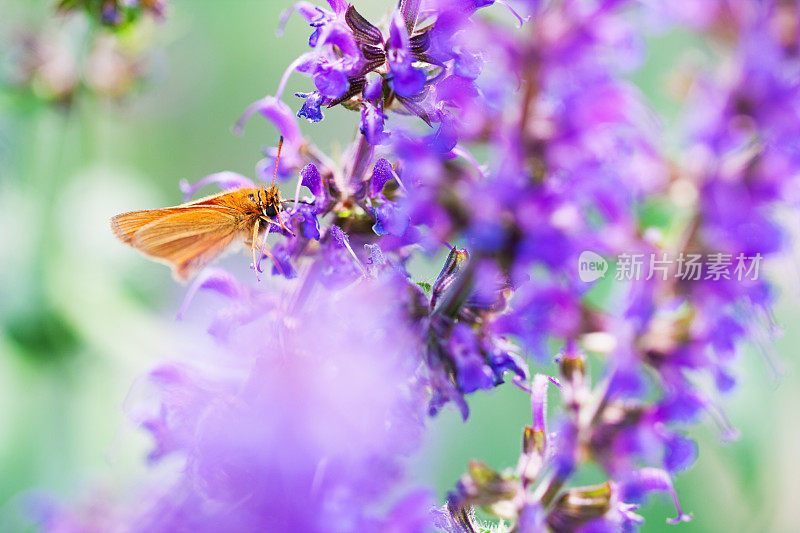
x=537, y=149
x=331, y=81
x=267, y=449
x=284, y=120
x=304, y=219
x=373, y=89
x=389, y=219
x=405, y=79
x=309, y=177
x=382, y=172
x=311, y=109
x=372, y=123
x=225, y=179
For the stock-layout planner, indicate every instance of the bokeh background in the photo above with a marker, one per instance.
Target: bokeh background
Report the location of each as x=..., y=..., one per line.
x=81, y=316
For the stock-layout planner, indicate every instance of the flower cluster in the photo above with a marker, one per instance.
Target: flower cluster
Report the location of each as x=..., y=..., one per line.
x=573, y=162
x=294, y=421
x=63, y=59
x=115, y=13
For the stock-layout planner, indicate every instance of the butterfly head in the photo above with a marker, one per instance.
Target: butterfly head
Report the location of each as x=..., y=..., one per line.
x=270, y=205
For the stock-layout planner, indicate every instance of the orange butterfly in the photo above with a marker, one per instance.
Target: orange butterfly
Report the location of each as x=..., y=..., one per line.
x=190, y=236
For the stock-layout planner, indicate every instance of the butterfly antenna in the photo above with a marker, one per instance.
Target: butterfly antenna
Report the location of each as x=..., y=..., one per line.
x=277, y=160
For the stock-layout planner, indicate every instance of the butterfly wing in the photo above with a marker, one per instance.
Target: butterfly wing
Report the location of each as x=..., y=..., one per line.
x=126, y=225
x=185, y=238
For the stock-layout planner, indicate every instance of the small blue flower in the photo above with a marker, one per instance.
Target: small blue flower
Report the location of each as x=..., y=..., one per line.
x=311, y=109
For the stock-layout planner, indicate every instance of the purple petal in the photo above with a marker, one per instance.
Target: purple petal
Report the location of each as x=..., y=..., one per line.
x=373, y=89
x=472, y=371
x=539, y=401
x=390, y=220
x=486, y=235
x=680, y=453
x=445, y=138
x=404, y=78
x=307, y=10
x=310, y=177
x=649, y=480
x=225, y=179
x=407, y=80
x=457, y=90
x=313, y=39
x=306, y=217
x=381, y=173
x=398, y=34
x=331, y=81
x=276, y=112
x=468, y=64
x=372, y=123
x=338, y=6
x=339, y=34
x=410, y=514
x=214, y=279
x=282, y=264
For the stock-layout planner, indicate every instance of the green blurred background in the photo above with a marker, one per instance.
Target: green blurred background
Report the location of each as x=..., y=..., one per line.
x=81, y=316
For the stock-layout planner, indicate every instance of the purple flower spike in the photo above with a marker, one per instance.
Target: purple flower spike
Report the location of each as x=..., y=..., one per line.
x=571, y=171
x=226, y=180
x=311, y=109
x=310, y=178
x=381, y=173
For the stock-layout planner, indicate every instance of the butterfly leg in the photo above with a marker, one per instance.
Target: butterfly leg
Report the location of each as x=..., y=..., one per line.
x=254, y=244
x=263, y=249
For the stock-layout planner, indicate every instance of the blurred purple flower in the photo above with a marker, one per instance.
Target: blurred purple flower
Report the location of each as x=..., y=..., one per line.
x=266, y=427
